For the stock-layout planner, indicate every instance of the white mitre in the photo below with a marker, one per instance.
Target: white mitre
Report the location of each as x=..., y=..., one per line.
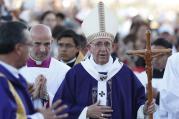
x=100, y=23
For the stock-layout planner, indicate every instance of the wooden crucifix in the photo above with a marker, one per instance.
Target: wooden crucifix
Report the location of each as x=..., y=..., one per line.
x=148, y=55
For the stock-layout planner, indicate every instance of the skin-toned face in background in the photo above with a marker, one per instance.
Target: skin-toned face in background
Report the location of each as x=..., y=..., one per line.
x=101, y=50
x=67, y=49
x=50, y=20
x=41, y=42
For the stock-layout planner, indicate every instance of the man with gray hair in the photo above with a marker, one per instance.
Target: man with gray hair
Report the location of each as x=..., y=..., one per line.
x=101, y=86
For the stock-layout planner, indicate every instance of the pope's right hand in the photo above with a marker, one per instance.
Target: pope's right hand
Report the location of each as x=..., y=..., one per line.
x=98, y=111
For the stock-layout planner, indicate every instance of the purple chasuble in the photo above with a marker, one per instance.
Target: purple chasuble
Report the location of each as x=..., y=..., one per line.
x=125, y=92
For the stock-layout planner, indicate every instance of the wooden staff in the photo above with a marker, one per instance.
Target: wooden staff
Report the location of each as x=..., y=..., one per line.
x=148, y=55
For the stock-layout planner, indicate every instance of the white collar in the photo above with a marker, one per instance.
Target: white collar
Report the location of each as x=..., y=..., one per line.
x=36, y=61
x=69, y=61
x=101, y=68
x=111, y=71
x=14, y=71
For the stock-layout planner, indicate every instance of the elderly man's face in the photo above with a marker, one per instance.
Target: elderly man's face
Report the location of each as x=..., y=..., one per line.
x=101, y=50
x=41, y=47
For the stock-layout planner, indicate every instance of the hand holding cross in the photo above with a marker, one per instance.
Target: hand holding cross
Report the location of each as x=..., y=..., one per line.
x=148, y=54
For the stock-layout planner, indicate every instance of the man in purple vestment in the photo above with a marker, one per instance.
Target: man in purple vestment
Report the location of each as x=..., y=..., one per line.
x=101, y=86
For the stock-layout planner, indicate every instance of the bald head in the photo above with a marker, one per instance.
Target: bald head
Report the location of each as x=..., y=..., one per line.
x=41, y=38
x=40, y=32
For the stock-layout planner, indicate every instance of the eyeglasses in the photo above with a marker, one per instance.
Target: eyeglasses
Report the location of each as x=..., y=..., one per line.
x=66, y=46
x=29, y=44
x=101, y=44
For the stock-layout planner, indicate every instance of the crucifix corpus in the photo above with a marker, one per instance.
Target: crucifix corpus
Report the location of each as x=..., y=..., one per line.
x=148, y=55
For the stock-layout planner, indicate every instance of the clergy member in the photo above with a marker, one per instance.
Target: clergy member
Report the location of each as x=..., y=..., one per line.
x=69, y=48
x=169, y=96
x=43, y=70
x=102, y=86
x=15, y=102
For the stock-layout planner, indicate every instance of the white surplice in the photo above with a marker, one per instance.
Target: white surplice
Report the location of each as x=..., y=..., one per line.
x=169, y=95
x=54, y=74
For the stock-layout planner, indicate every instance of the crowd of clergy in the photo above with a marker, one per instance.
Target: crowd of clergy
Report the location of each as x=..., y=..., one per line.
x=50, y=70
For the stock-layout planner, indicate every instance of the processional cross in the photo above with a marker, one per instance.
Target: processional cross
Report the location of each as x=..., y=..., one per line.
x=148, y=55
